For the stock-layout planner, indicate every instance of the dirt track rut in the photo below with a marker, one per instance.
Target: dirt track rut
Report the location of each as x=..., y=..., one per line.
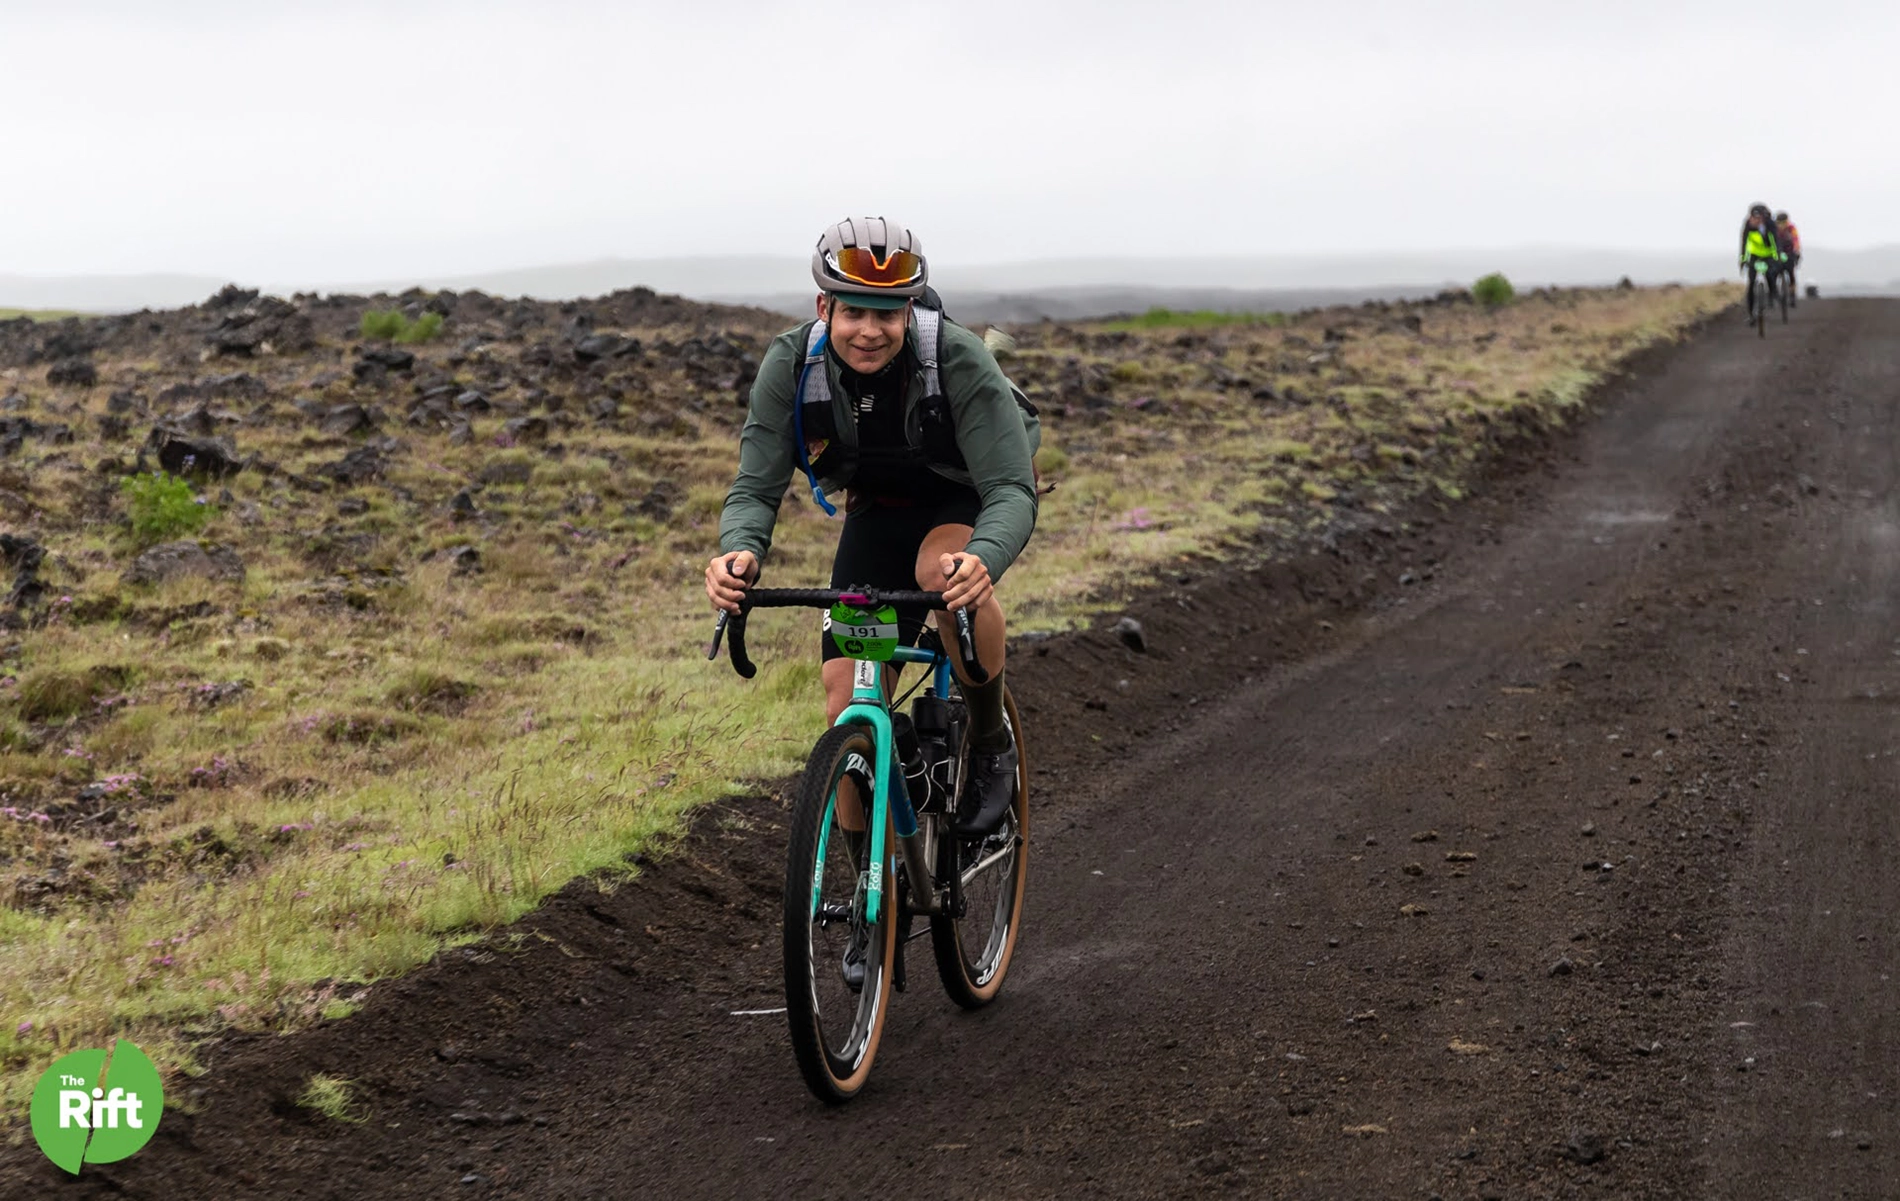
x=1564, y=872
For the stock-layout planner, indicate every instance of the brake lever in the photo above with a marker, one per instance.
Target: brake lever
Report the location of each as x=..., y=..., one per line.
x=741, y=663
x=966, y=647
x=966, y=639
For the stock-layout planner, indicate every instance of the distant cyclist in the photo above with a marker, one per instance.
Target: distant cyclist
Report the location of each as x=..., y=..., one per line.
x=1790, y=238
x=1760, y=240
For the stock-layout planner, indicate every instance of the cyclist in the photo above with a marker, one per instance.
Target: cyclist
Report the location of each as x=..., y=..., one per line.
x=947, y=513
x=1791, y=248
x=1759, y=241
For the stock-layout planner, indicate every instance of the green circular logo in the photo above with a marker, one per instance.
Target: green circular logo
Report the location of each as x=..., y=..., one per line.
x=97, y=1106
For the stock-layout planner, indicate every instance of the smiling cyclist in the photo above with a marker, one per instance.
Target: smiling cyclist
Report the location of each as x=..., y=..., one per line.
x=925, y=435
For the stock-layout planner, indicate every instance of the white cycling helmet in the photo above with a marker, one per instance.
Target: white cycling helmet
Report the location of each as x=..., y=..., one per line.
x=877, y=263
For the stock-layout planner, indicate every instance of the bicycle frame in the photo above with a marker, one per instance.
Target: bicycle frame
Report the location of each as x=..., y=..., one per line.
x=1761, y=288
x=869, y=706
x=890, y=805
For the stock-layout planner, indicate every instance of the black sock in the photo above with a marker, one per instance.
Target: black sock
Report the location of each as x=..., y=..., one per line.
x=988, y=729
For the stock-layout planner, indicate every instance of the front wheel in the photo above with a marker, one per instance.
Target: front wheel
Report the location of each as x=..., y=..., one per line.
x=1787, y=284
x=975, y=937
x=836, y=1020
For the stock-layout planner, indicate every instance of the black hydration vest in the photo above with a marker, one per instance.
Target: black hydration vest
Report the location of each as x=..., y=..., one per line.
x=934, y=444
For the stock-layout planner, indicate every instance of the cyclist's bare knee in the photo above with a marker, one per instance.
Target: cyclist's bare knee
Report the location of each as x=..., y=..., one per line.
x=941, y=541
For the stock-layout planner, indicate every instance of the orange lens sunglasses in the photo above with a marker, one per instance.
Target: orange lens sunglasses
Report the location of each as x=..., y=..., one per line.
x=861, y=266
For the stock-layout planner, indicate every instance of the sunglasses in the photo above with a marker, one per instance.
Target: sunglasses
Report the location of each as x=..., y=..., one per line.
x=861, y=266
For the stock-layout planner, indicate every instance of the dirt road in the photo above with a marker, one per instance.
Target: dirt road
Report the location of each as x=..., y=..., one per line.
x=1559, y=869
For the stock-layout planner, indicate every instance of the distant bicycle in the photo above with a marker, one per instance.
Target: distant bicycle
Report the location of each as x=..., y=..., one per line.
x=849, y=901
x=1764, y=289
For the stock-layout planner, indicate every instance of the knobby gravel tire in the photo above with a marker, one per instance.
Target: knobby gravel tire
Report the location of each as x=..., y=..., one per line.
x=974, y=948
x=835, y=1032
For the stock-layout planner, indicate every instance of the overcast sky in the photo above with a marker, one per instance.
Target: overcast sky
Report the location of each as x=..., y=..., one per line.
x=327, y=142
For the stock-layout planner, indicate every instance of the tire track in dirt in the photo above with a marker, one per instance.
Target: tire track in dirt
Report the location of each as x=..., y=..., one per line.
x=1807, y=1078
x=1461, y=898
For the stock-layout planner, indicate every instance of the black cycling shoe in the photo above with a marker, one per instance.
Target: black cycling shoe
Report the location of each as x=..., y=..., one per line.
x=990, y=791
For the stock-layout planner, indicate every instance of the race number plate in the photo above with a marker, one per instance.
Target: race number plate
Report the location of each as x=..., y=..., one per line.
x=863, y=633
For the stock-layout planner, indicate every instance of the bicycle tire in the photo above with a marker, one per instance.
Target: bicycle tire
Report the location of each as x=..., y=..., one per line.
x=833, y=1039
x=1783, y=297
x=975, y=948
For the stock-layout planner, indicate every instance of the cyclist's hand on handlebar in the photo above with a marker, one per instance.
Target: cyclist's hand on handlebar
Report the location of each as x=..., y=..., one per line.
x=728, y=576
x=966, y=581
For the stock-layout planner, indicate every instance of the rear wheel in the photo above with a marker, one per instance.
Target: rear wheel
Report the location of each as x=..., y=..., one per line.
x=835, y=1027
x=975, y=942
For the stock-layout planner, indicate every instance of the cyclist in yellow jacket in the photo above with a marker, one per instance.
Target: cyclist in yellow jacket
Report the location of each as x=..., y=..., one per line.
x=1760, y=241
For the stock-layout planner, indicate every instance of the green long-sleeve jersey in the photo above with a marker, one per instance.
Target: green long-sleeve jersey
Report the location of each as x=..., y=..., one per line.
x=989, y=436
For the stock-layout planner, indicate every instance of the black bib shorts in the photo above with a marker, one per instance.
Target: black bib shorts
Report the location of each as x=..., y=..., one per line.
x=879, y=545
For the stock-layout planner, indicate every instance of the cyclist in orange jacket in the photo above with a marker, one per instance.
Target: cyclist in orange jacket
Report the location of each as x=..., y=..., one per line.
x=1791, y=251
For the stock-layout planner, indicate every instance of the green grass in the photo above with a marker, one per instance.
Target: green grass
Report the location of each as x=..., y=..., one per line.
x=1162, y=318
x=40, y=314
x=333, y=1097
x=1493, y=291
x=390, y=325
x=160, y=507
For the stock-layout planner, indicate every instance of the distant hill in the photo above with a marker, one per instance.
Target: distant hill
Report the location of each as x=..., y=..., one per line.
x=105, y=293
x=977, y=307
x=1057, y=288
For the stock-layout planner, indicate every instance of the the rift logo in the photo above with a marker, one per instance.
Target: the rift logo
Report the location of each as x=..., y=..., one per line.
x=97, y=1106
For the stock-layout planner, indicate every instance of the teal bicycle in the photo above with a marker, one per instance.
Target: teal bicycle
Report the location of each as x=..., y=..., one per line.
x=855, y=883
